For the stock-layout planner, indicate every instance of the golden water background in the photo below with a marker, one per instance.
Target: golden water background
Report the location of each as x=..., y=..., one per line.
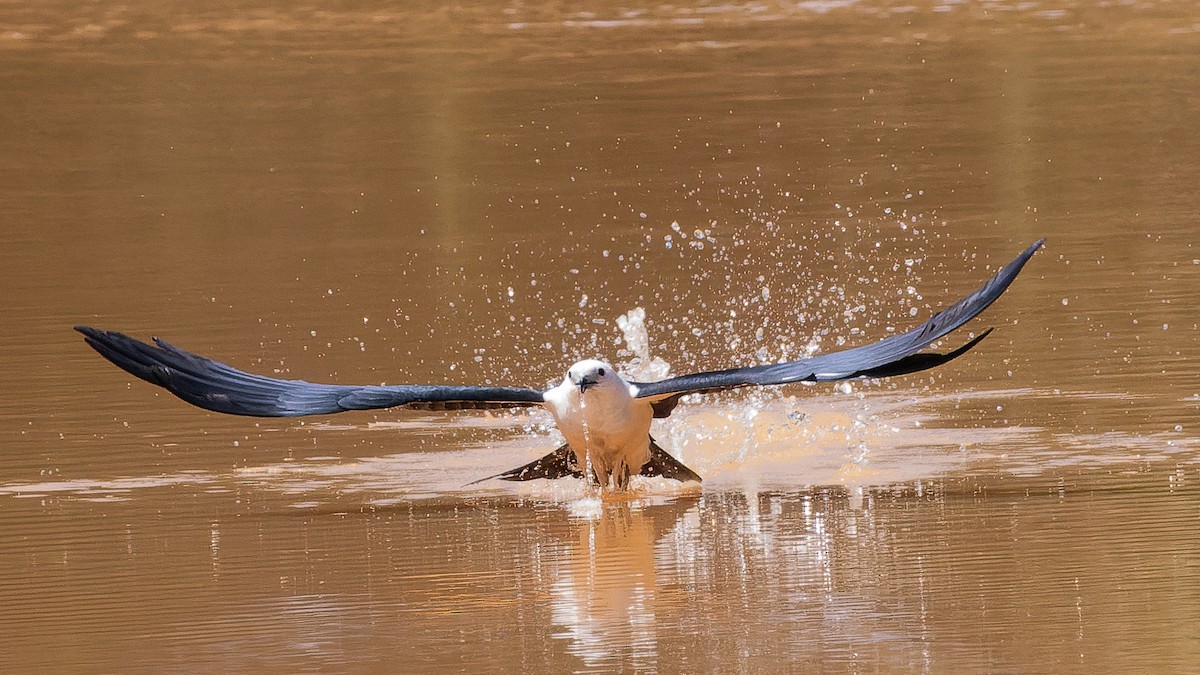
x=476, y=192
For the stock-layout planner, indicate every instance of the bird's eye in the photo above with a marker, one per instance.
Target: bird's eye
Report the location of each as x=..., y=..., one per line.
x=601, y=371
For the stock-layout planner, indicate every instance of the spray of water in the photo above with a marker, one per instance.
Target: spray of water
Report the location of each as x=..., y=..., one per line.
x=639, y=364
x=590, y=487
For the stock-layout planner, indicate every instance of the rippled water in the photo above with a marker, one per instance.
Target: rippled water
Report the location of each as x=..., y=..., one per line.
x=487, y=193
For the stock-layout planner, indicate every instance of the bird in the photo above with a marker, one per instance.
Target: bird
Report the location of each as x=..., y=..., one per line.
x=604, y=418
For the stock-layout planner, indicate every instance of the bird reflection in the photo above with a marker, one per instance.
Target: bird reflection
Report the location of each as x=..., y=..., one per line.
x=606, y=592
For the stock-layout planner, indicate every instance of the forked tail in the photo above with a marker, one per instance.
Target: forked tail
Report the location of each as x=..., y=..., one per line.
x=562, y=464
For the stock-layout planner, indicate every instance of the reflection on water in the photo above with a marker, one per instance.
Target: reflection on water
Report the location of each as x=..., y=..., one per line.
x=933, y=550
x=607, y=592
x=912, y=579
x=483, y=193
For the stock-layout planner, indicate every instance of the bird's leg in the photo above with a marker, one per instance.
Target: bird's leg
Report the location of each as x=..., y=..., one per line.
x=620, y=475
x=599, y=473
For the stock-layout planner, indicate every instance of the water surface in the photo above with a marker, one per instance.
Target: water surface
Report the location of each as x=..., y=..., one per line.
x=486, y=193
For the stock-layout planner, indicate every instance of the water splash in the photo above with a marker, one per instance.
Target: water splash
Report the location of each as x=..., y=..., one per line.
x=590, y=488
x=640, y=365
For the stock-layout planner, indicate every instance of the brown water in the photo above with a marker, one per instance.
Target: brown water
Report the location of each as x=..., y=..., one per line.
x=476, y=193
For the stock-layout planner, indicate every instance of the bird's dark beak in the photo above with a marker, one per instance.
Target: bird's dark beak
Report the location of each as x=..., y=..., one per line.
x=584, y=383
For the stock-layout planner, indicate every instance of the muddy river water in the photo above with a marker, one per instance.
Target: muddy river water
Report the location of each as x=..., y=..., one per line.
x=487, y=192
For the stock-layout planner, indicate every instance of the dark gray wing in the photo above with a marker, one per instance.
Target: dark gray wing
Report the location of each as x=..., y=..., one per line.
x=896, y=355
x=216, y=386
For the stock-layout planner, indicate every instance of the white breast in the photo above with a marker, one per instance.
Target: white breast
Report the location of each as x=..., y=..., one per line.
x=605, y=426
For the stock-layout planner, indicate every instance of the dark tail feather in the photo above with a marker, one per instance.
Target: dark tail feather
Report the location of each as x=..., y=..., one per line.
x=558, y=464
x=561, y=464
x=663, y=464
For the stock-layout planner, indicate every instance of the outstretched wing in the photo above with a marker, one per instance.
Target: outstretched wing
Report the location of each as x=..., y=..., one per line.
x=216, y=386
x=896, y=355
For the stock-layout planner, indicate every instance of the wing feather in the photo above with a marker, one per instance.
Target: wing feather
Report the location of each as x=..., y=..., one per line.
x=896, y=355
x=221, y=388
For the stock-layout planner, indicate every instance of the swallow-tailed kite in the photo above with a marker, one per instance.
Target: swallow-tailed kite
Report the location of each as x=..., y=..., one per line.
x=604, y=418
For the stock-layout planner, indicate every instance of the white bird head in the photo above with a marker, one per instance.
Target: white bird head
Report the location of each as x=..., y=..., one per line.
x=592, y=373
